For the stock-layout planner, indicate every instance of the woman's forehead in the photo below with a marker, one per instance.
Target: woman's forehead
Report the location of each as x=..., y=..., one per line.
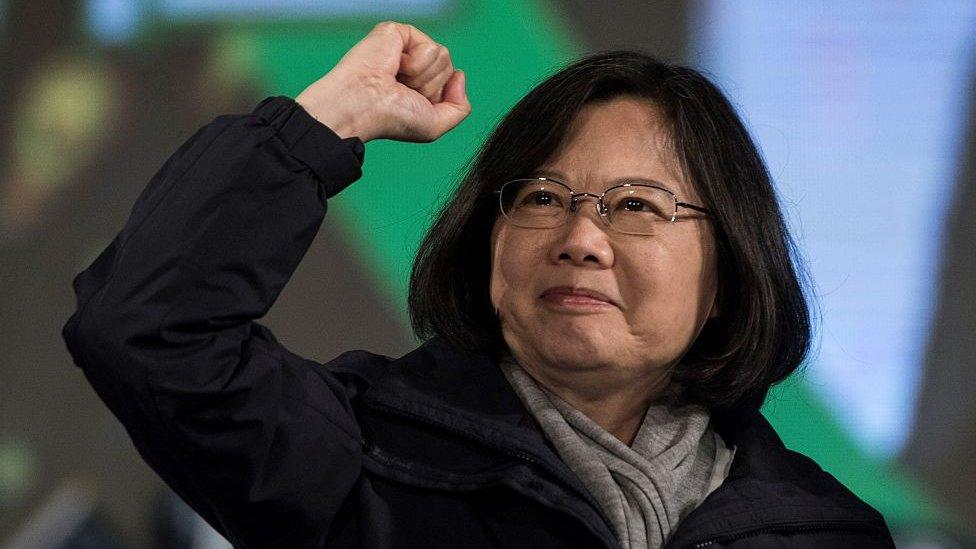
x=591, y=185
x=616, y=141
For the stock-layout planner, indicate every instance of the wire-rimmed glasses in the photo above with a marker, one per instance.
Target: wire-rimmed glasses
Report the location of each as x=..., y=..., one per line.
x=630, y=208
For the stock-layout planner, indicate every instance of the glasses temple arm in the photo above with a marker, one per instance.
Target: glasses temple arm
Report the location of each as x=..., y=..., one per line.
x=701, y=209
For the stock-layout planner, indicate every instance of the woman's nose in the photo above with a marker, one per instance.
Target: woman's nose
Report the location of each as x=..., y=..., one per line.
x=583, y=240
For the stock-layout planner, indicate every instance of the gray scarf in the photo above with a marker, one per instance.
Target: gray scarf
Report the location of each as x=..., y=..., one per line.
x=645, y=489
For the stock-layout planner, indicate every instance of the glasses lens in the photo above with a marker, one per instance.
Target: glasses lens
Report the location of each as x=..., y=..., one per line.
x=535, y=204
x=639, y=209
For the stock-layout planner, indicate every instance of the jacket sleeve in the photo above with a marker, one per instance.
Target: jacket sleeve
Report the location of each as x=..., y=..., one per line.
x=261, y=442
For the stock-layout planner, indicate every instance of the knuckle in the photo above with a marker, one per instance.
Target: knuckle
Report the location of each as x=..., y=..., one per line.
x=430, y=51
x=387, y=27
x=410, y=68
x=445, y=63
x=441, y=78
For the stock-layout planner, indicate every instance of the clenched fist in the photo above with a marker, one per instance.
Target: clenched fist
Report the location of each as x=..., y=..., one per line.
x=396, y=83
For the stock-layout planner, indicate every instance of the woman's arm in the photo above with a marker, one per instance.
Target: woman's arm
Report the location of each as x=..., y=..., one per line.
x=258, y=440
x=164, y=328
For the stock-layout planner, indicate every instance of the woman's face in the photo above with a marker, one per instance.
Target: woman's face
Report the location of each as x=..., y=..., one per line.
x=659, y=289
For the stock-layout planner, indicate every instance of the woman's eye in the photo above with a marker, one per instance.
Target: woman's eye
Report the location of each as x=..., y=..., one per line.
x=634, y=205
x=643, y=208
x=541, y=199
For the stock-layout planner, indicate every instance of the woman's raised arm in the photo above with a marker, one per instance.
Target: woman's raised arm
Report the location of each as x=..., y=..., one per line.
x=257, y=439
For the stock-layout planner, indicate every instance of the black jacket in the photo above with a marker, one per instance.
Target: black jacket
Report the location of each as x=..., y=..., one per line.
x=430, y=450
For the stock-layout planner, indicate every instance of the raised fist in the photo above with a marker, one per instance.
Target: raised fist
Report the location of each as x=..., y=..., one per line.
x=396, y=83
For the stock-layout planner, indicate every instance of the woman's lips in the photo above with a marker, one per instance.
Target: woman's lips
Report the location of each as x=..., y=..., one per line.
x=568, y=296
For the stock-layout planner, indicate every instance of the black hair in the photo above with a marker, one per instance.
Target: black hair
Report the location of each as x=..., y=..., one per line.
x=763, y=331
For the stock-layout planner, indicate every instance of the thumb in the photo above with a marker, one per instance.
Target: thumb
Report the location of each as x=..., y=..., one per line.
x=454, y=105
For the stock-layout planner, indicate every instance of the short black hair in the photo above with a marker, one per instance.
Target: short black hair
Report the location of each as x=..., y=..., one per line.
x=763, y=331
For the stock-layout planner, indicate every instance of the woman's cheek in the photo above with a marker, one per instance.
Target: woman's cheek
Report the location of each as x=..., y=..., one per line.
x=504, y=293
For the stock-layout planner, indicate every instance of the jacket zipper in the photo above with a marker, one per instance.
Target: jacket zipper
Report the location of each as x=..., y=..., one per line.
x=376, y=405
x=807, y=527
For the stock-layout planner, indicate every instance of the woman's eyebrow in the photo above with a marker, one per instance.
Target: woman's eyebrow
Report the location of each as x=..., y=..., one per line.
x=548, y=173
x=612, y=183
x=641, y=180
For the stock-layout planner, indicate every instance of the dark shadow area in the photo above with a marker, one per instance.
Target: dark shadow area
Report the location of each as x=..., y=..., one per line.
x=659, y=28
x=68, y=180
x=943, y=442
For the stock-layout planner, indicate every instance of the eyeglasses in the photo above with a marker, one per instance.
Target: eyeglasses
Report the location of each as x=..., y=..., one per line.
x=630, y=208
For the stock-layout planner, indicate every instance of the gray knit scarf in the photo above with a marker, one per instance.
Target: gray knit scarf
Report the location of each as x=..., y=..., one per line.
x=645, y=489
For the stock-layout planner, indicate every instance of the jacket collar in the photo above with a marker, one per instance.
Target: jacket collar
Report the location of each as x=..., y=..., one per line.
x=770, y=487
x=438, y=383
x=767, y=486
x=469, y=396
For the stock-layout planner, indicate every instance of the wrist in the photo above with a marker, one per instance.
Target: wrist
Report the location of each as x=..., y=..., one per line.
x=323, y=103
x=340, y=125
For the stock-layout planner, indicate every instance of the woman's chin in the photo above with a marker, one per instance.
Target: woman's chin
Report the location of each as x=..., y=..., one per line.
x=568, y=341
x=579, y=353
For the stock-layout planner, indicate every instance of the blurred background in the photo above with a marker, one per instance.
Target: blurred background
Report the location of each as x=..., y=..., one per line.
x=865, y=112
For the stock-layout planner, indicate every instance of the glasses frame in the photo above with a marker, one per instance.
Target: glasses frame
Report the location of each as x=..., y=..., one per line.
x=601, y=208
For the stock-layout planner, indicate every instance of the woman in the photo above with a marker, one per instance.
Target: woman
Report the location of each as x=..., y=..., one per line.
x=594, y=371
